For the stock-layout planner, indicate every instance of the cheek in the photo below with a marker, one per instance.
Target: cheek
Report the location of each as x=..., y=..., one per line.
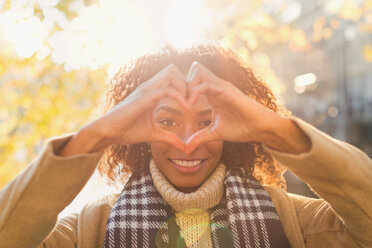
x=215, y=148
x=158, y=150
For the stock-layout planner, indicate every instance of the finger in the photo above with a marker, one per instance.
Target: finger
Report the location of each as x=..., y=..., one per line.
x=191, y=73
x=161, y=135
x=201, y=137
x=154, y=96
x=170, y=75
x=191, y=78
x=203, y=88
x=198, y=73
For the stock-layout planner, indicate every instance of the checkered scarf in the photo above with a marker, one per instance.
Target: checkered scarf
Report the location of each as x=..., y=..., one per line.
x=245, y=217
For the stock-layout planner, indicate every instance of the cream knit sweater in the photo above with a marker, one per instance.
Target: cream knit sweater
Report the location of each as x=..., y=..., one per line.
x=192, y=209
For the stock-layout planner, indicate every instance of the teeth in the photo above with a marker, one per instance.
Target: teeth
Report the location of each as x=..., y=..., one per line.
x=185, y=163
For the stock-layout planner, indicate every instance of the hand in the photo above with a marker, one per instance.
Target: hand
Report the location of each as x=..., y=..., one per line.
x=130, y=121
x=237, y=117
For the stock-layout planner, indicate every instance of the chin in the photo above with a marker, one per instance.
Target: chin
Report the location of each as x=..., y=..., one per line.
x=187, y=189
x=189, y=183
x=186, y=184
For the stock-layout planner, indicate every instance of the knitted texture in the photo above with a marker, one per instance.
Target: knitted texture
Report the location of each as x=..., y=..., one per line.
x=207, y=196
x=191, y=214
x=245, y=216
x=194, y=226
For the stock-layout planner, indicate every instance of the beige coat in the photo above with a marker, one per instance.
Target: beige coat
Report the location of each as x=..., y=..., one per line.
x=340, y=174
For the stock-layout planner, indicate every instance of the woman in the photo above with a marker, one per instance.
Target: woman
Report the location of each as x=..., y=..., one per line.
x=203, y=142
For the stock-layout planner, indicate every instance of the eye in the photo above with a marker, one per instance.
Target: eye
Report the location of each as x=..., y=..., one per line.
x=205, y=123
x=168, y=122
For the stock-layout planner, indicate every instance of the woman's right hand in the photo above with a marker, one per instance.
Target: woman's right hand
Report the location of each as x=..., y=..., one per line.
x=130, y=121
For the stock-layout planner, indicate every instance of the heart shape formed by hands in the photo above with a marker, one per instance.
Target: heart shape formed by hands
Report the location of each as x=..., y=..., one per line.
x=236, y=117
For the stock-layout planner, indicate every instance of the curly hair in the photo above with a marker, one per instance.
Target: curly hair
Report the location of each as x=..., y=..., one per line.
x=120, y=160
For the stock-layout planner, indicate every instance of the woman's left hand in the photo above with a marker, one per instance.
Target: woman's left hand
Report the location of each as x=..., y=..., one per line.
x=237, y=117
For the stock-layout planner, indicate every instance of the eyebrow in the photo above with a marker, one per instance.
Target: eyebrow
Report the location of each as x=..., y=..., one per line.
x=177, y=112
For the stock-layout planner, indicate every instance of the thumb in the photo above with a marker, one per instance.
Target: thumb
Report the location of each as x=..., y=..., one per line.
x=161, y=135
x=199, y=138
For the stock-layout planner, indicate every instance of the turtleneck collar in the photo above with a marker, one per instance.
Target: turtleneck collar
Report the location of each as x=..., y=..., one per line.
x=208, y=195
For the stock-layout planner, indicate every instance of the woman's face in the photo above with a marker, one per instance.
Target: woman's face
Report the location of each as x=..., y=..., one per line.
x=185, y=171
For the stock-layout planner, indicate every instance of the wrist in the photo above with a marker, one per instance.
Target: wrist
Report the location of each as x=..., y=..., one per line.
x=95, y=139
x=86, y=140
x=285, y=136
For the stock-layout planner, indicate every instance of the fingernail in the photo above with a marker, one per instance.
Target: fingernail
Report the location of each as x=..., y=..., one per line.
x=188, y=78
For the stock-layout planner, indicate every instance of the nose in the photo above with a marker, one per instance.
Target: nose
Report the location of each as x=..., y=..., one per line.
x=186, y=132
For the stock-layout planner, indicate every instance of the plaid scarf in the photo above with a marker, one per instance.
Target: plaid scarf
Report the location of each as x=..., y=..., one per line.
x=245, y=217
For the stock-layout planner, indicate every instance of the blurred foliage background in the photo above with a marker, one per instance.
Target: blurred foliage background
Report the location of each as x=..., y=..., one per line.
x=56, y=57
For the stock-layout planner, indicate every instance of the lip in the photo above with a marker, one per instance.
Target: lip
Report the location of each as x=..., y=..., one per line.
x=188, y=169
x=188, y=159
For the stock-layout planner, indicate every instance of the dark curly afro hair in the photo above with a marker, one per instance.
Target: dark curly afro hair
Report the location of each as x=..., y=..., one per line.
x=120, y=160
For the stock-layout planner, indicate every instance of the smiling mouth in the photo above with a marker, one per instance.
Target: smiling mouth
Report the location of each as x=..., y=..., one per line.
x=187, y=163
